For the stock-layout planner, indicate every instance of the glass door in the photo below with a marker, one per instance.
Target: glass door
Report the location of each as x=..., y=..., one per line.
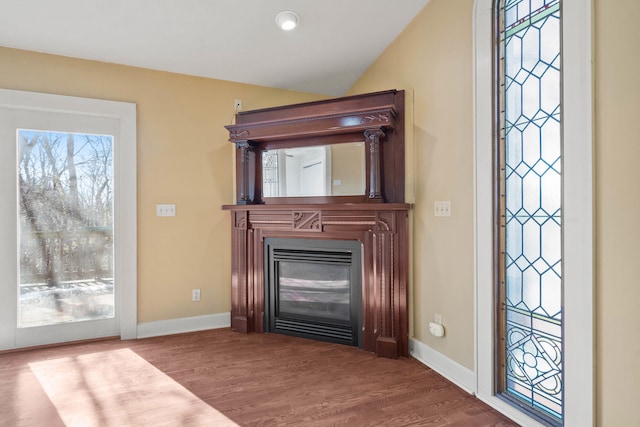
x=57, y=281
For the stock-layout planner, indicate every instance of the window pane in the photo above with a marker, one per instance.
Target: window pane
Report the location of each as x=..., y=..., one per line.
x=65, y=225
x=532, y=208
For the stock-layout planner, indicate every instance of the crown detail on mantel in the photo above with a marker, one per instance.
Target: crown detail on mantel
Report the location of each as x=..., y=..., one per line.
x=377, y=118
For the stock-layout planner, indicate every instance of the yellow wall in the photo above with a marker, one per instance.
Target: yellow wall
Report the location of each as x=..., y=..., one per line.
x=431, y=61
x=184, y=157
x=432, y=58
x=617, y=129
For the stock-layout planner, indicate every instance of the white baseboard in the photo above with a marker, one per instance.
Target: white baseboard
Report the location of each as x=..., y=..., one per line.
x=461, y=376
x=184, y=324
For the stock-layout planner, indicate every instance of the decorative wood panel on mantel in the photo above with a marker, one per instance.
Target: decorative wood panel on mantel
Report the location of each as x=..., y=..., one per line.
x=382, y=230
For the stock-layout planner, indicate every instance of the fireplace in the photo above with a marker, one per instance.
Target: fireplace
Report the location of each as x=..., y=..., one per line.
x=332, y=264
x=313, y=289
x=380, y=229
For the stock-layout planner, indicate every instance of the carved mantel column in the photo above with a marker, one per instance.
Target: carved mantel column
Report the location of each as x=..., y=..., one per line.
x=241, y=285
x=373, y=136
x=243, y=175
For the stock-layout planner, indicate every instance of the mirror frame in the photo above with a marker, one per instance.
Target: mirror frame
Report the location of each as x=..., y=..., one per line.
x=377, y=118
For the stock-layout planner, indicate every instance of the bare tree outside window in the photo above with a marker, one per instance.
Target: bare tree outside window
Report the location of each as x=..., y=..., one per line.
x=65, y=219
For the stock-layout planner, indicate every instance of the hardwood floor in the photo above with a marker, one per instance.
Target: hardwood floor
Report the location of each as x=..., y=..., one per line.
x=265, y=380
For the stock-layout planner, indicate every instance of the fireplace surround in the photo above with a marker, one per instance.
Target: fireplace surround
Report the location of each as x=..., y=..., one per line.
x=376, y=221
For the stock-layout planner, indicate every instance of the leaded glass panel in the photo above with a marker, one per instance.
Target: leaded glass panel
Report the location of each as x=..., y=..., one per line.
x=531, y=205
x=270, y=176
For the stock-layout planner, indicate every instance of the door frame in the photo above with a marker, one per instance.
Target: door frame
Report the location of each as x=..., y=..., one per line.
x=125, y=197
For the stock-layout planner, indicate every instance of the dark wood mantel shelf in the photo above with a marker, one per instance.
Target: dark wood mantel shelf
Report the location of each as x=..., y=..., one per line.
x=381, y=229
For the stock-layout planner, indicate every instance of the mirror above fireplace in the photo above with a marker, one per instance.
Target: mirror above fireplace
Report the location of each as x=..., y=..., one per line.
x=321, y=170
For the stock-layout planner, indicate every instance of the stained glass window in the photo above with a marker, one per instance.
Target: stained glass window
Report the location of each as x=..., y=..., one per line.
x=531, y=206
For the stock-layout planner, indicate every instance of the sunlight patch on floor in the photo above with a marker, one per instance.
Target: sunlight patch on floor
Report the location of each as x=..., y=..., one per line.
x=120, y=388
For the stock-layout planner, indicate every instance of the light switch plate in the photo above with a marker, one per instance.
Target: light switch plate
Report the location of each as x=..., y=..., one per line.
x=442, y=208
x=166, y=210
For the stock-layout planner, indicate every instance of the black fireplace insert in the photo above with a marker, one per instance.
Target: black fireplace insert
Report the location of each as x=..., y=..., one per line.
x=313, y=289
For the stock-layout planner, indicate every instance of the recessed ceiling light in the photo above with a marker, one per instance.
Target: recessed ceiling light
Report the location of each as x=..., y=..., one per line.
x=287, y=20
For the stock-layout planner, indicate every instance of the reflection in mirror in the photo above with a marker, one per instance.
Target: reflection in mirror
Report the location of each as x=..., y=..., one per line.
x=327, y=170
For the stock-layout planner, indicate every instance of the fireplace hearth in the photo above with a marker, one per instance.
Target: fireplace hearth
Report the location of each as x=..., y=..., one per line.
x=313, y=289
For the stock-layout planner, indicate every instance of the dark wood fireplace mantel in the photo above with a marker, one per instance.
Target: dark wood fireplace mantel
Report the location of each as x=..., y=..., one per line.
x=381, y=228
x=376, y=219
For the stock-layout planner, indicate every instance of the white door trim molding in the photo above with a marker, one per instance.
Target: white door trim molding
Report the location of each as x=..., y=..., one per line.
x=125, y=203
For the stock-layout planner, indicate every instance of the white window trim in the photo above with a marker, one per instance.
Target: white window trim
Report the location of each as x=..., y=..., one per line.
x=578, y=256
x=125, y=198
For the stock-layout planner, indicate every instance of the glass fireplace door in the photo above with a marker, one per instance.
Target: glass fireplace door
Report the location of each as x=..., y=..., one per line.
x=313, y=289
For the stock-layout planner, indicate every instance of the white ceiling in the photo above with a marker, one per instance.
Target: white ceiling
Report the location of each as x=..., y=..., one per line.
x=235, y=40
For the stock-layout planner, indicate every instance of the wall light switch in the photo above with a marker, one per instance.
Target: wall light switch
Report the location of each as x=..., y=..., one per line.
x=166, y=210
x=442, y=208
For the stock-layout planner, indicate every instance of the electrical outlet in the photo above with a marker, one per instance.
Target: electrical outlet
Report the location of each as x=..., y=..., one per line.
x=195, y=295
x=442, y=208
x=166, y=210
x=436, y=329
x=237, y=104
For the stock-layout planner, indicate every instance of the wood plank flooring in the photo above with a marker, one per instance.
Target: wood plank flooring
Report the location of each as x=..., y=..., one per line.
x=266, y=380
